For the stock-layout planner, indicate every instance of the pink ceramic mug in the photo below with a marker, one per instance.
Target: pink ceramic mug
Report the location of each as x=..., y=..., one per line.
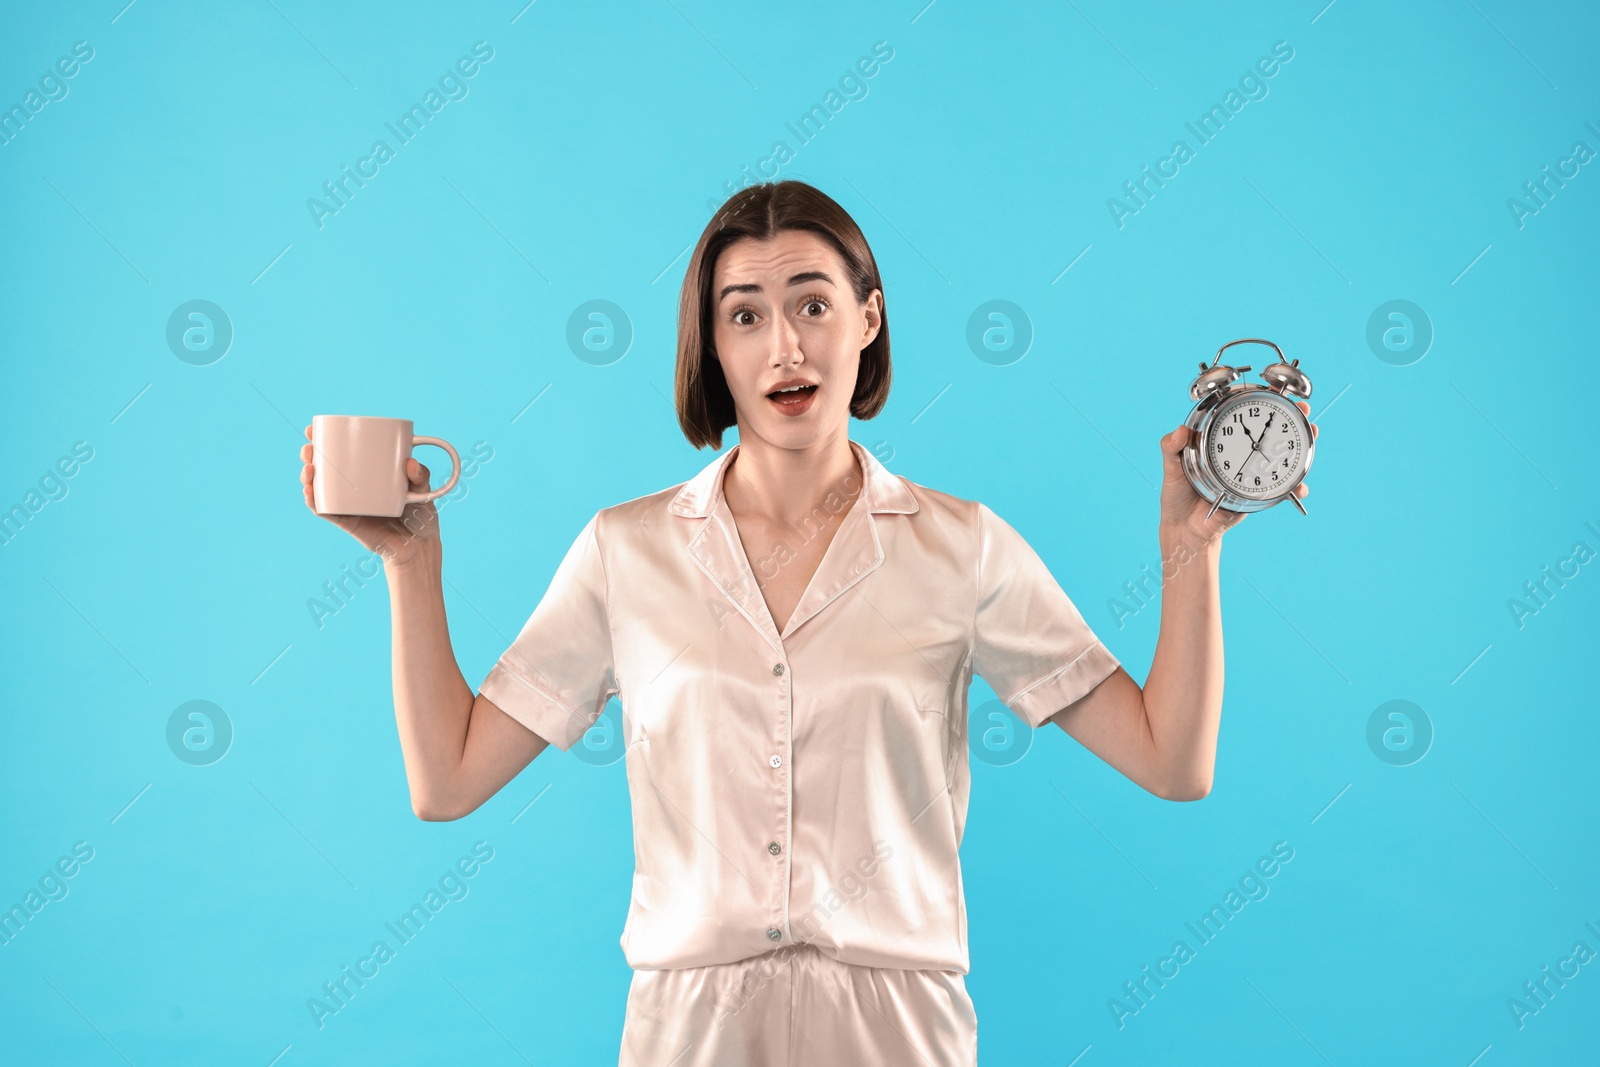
x=360, y=465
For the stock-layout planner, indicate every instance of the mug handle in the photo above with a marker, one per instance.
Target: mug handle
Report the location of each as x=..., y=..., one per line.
x=455, y=471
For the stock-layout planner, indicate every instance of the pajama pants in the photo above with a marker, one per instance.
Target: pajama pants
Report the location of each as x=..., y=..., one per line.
x=796, y=1007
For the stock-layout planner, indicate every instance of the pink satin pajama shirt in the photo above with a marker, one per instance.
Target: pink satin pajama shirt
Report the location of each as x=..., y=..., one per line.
x=798, y=797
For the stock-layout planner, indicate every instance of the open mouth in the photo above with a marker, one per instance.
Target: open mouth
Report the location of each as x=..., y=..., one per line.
x=793, y=401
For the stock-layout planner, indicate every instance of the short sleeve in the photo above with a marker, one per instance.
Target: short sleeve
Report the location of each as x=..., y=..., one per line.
x=558, y=674
x=1029, y=641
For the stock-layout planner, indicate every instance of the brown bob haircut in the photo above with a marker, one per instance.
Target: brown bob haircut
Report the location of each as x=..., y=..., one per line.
x=761, y=212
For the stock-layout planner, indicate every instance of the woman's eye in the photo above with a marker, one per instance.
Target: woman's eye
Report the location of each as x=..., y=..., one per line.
x=737, y=317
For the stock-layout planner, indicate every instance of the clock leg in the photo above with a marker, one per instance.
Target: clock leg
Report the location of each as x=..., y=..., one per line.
x=1296, y=501
x=1218, y=503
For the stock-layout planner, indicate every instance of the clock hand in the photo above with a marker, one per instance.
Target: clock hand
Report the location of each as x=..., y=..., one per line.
x=1256, y=442
x=1267, y=426
x=1255, y=446
x=1247, y=455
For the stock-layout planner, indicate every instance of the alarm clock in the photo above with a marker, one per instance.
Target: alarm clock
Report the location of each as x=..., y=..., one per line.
x=1252, y=443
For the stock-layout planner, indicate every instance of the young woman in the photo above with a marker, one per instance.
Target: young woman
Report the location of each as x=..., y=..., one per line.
x=791, y=634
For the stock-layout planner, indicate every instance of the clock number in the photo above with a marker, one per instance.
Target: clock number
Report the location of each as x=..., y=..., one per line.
x=1227, y=466
x=1254, y=412
x=1258, y=481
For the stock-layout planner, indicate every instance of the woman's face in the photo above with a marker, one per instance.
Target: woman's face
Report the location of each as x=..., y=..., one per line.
x=783, y=314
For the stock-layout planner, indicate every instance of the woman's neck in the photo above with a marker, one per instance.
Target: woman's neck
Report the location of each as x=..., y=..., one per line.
x=784, y=485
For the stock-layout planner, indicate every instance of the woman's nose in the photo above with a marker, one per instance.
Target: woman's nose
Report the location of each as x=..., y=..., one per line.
x=786, y=341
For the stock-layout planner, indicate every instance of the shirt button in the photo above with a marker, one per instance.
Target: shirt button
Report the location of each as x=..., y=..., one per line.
x=774, y=848
x=776, y=761
x=774, y=934
x=777, y=668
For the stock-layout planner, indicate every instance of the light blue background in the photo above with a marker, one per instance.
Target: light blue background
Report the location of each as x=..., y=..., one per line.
x=180, y=563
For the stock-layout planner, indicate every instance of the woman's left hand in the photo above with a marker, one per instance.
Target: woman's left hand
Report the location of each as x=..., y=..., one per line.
x=1183, y=509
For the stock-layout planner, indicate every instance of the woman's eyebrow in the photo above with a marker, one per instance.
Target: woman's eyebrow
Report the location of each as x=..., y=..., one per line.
x=752, y=287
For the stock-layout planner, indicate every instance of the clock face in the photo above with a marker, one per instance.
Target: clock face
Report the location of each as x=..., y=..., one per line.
x=1256, y=444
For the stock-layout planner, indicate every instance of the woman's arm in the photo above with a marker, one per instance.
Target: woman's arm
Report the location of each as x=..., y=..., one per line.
x=459, y=749
x=1164, y=736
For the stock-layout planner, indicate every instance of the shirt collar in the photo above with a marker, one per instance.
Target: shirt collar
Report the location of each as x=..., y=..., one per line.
x=882, y=490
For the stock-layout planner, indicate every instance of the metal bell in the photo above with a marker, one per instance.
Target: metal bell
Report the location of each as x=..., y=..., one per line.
x=1287, y=378
x=1214, y=378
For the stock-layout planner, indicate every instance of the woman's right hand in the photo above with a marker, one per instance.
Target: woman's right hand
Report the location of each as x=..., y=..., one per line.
x=397, y=540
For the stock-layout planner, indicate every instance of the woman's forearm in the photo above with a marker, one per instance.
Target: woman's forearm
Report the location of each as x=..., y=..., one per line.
x=1183, y=692
x=432, y=701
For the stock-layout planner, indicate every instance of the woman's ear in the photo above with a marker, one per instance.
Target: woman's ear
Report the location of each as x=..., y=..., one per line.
x=872, y=311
